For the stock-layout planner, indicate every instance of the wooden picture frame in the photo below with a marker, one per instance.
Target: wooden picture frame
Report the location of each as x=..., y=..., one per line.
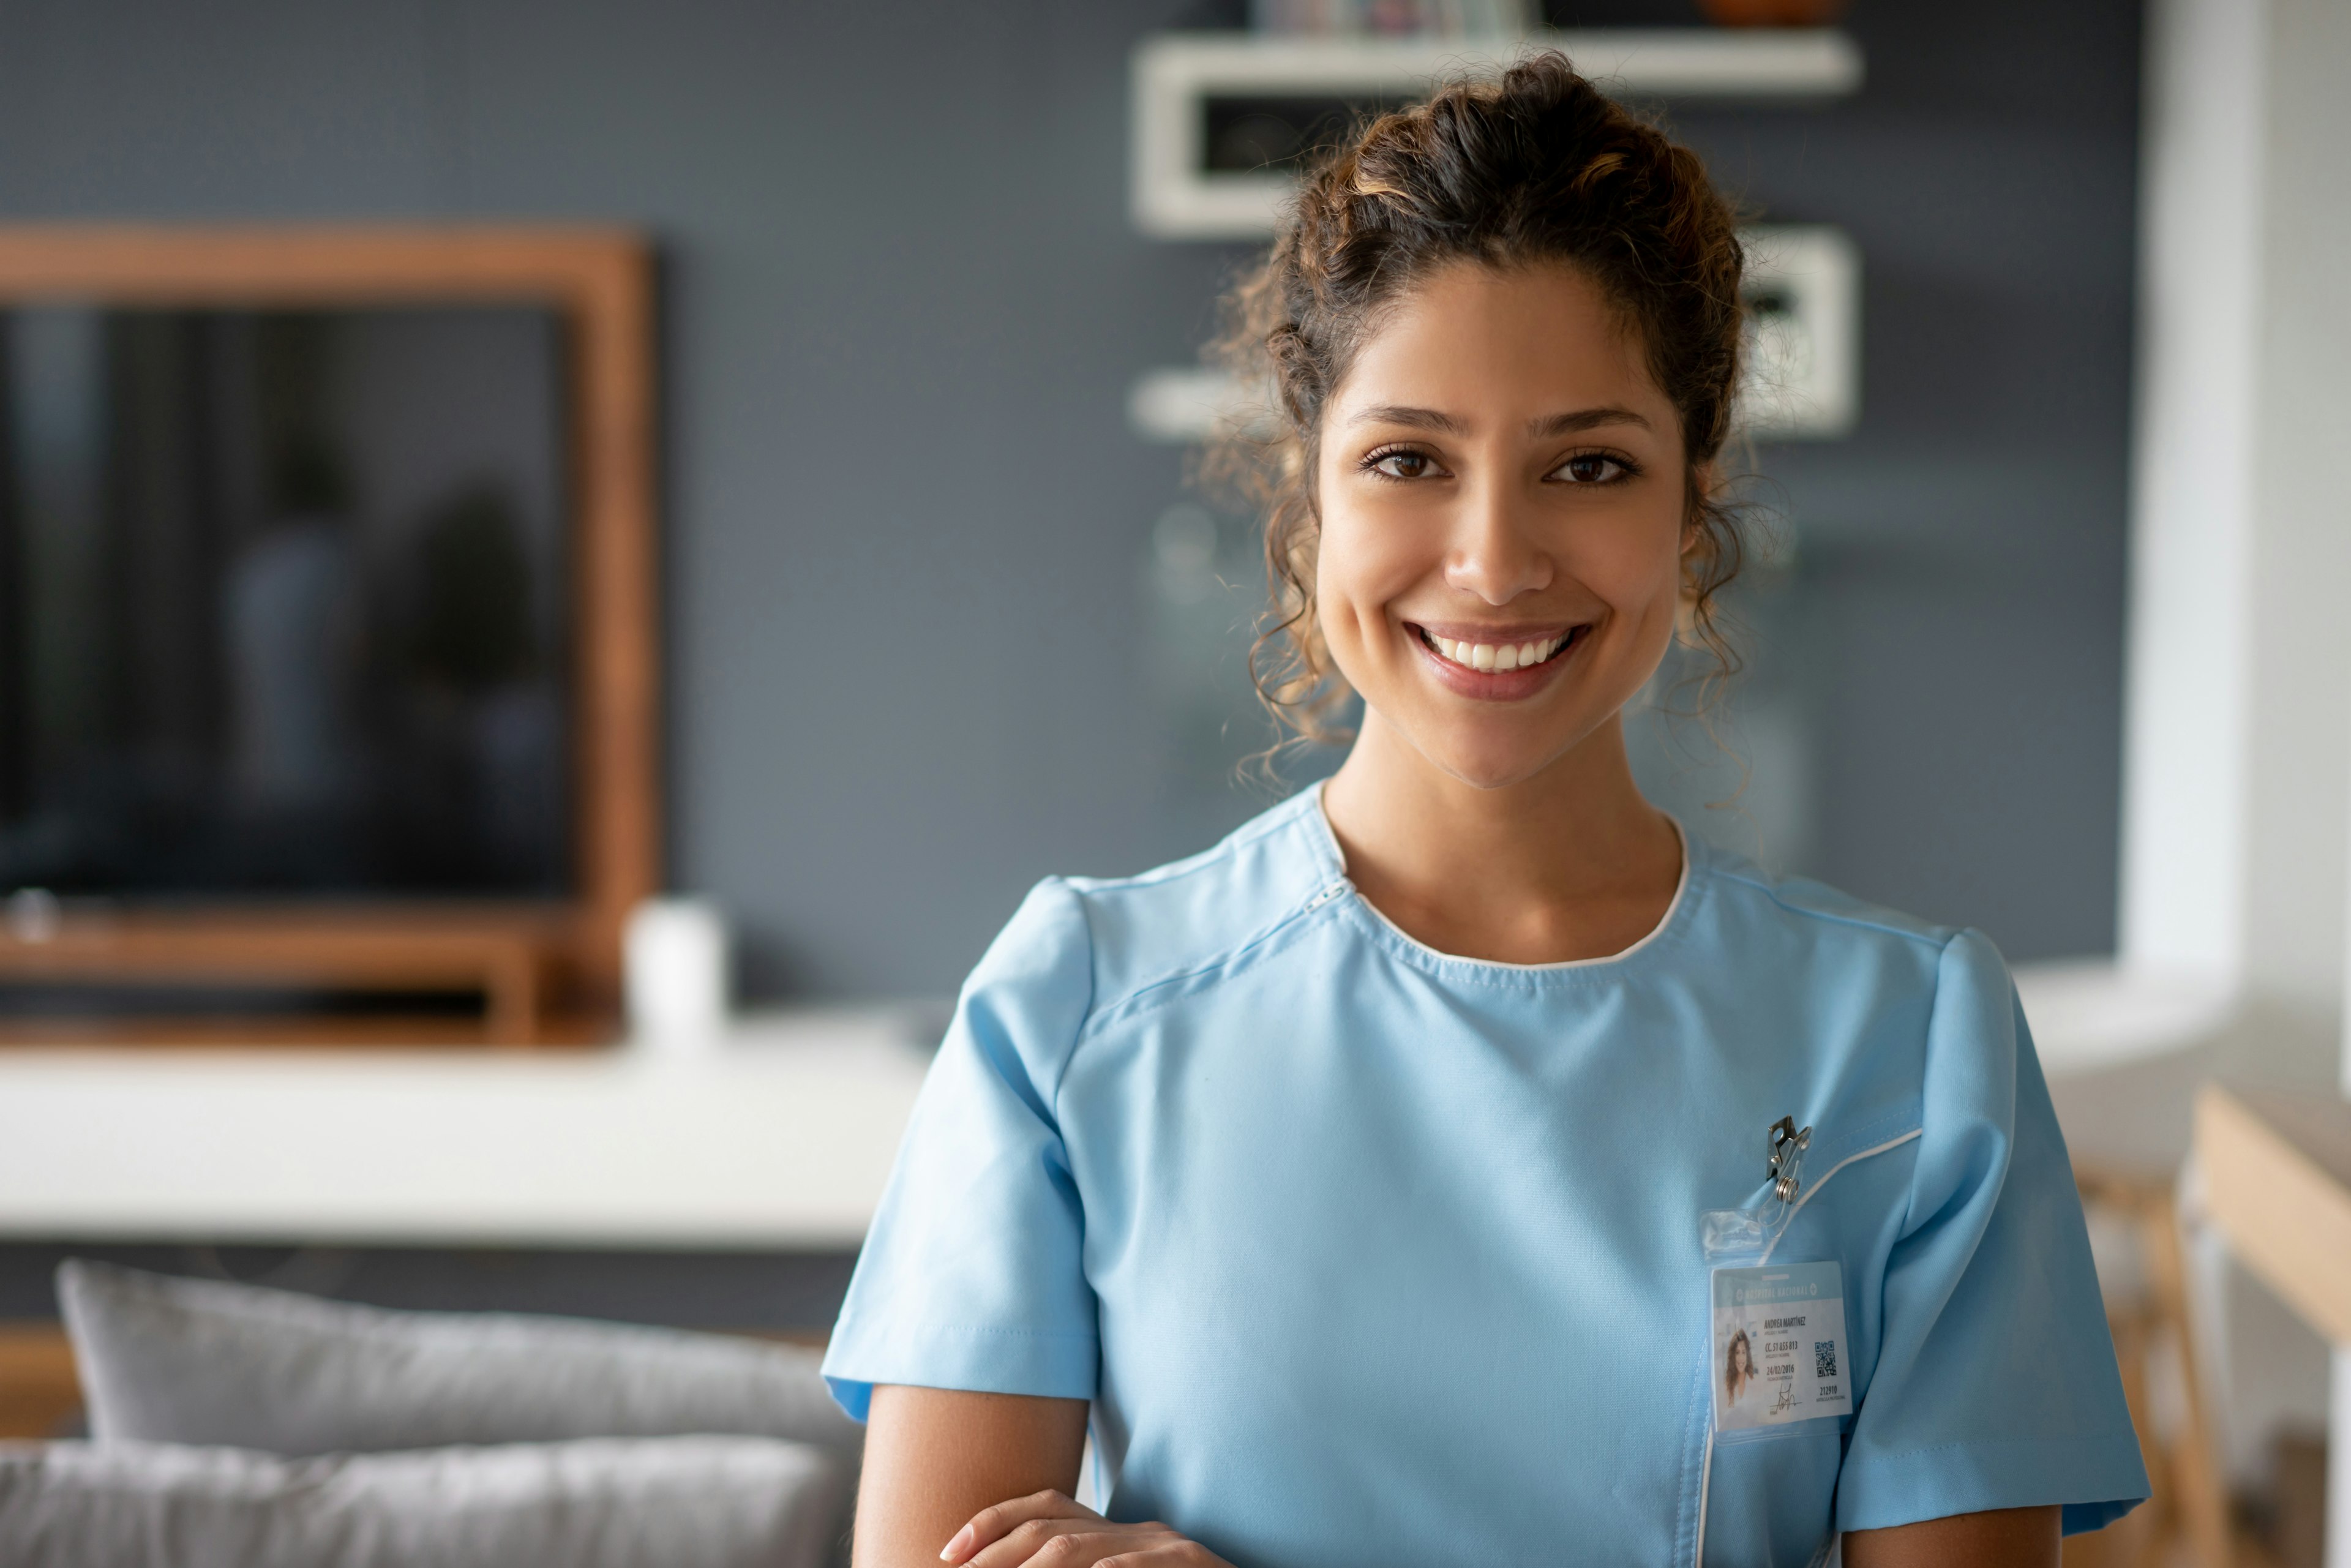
x=549, y=970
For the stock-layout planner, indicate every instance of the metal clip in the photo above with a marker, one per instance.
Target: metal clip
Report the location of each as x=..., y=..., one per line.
x=1787, y=1145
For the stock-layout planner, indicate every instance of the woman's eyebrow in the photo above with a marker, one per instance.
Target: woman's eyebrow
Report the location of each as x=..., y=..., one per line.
x=1583, y=419
x=1400, y=414
x=1549, y=425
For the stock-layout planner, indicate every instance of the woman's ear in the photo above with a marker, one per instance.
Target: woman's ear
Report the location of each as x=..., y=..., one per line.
x=1702, y=479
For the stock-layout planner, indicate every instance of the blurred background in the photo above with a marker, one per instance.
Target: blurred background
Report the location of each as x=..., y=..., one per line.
x=2043, y=642
x=922, y=582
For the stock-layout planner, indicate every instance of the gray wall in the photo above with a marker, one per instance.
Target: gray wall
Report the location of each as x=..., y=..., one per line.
x=903, y=307
x=1954, y=603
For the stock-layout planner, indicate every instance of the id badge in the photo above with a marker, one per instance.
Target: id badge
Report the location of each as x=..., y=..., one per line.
x=1779, y=1356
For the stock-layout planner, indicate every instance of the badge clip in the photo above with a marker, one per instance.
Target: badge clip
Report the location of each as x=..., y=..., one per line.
x=1786, y=1145
x=1750, y=1232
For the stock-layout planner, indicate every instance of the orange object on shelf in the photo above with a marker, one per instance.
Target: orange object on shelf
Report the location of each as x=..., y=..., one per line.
x=1772, y=12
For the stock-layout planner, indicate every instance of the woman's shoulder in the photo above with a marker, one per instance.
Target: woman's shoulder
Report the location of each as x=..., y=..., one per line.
x=1814, y=909
x=1854, y=959
x=1134, y=932
x=1795, y=919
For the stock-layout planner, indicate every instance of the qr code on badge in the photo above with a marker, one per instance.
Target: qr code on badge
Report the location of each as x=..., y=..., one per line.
x=1824, y=1358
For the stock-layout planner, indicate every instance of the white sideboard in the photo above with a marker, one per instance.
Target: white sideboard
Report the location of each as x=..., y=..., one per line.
x=778, y=1137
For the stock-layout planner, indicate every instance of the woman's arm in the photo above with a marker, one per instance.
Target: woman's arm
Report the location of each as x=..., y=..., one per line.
x=936, y=1456
x=983, y=1480
x=2004, y=1538
x=937, y=1459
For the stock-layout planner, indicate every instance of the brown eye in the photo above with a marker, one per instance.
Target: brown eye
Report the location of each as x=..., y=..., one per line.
x=1402, y=464
x=1590, y=468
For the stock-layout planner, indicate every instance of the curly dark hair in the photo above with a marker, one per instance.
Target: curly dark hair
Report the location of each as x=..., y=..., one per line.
x=1536, y=166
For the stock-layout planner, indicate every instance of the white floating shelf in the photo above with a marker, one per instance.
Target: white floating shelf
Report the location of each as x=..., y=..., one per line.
x=1803, y=291
x=1175, y=196
x=1803, y=383
x=1185, y=405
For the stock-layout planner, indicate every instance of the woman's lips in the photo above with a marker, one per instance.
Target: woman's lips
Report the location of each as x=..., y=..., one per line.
x=1501, y=664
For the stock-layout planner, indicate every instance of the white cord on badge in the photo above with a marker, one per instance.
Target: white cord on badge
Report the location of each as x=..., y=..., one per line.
x=1706, y=1465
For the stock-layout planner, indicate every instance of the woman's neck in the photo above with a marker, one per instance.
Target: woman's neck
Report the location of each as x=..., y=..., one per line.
x=1569, y=864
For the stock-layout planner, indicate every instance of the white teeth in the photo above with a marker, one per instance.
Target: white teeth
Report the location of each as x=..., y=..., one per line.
x=1496, y=656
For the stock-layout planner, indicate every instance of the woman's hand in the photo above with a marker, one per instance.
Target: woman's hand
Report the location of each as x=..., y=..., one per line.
x=1046, y=1528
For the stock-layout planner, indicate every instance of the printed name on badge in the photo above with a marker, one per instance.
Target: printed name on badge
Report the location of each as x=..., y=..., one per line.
x=1779, y=1346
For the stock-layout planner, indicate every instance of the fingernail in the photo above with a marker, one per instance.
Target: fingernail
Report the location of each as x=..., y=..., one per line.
x=954, y=1549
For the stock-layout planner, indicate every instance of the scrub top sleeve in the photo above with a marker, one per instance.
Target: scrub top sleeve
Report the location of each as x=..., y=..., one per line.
x=1995, y=1385
x=971, y=1276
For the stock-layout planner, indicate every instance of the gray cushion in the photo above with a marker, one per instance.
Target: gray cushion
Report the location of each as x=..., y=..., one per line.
x=662, y=1502
x=198, y=1361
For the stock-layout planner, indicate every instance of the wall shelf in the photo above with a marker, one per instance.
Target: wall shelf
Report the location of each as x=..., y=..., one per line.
x=1179, y=192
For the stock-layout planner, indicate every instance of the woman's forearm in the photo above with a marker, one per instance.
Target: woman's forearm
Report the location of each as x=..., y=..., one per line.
x=936, y=1456
x=2005, y=1538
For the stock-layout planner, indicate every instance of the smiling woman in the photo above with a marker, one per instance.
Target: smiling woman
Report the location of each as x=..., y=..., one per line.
x=1599, y=197
x=1359, y=1183
x=1504, y=519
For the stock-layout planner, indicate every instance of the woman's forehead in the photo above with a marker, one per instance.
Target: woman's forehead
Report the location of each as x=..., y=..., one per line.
x=1475, y=343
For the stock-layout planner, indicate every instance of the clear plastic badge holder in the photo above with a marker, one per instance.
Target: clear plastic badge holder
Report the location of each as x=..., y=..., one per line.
x=1775, y=1329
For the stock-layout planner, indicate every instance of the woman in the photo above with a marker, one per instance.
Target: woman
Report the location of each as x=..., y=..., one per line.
x=1347, y=1177
x=1737, y=1367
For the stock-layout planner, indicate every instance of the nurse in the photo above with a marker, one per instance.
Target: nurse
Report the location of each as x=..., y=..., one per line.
x=1347, y=1181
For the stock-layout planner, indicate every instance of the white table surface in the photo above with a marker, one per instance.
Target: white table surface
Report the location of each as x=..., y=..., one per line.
x=2093, y=1015
x=777, y=1137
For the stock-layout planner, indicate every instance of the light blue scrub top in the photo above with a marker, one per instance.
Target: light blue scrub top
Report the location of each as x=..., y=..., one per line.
x=1366, y=1254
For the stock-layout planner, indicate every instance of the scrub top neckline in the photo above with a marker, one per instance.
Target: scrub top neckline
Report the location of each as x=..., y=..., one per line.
x=1412, y=949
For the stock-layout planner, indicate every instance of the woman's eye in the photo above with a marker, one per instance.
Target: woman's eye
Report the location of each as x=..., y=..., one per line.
x=1403, y=464
x=1590, y=468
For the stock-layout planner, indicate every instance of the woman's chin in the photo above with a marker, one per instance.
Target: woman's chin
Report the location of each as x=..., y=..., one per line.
x=1484, y=746
x=1489, y=765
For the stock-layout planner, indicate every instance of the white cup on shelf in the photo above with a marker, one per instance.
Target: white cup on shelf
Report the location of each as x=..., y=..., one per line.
x=674, y=965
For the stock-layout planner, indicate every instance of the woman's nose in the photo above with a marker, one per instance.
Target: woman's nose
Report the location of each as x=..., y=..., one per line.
x=1494, y=552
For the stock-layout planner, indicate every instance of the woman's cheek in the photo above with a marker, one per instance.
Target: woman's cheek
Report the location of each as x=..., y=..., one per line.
x=1638, y=584
x=1335, y=610
x=1355, y=581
